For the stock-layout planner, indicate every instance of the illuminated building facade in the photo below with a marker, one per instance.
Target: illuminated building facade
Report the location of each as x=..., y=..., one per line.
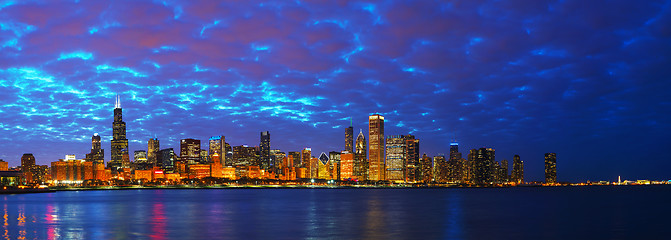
x=4, y=166
x=503, y=171
x=166, y=159
x=97, y=155
x=324, y=171
x=71, y=171
x=245, y=156
x=396, y=150
x=217, y=146
x=454, y=164
x=189, y=151
x=551, y=168
x=295, y=159
x=27, y=166
x=484, y=161
x=314, y=168
x=349, y=139
x=153, y=146
x=376, y=147
x=199, y=170
x=264, y=151
x=412, y=158
x=426, y=169
x=439, y=169
x=119, y=142
x=306, y=156
x=334, y=164
x=517, y=175
x=347, y=166
x=360, y=160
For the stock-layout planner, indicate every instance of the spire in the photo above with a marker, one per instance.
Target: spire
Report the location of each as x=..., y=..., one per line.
x=350, y=121
x=117, y=102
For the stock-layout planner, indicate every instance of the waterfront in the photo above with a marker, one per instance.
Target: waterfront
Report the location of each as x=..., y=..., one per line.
x=597, y=212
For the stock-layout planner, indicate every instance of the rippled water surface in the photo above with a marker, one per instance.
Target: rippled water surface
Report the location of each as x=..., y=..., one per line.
x=616, y=212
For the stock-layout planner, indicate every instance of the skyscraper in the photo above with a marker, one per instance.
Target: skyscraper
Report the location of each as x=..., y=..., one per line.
x=152, y=150
x=550, y=168
x=454, y=164
x=517, y=175
x=376, y=147
x=426, y=166
x=27, y=166
x=412, y=158
x=503, y=171
x=97, y=155
x=349, y=139
x=189, y=151
x=360, y=161
x=264, y=151
x=217, y=146
x=396, y=150
x=119, y=141
x=483, y=164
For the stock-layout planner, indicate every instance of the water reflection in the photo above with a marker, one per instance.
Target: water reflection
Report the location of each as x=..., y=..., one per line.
x=332, y=214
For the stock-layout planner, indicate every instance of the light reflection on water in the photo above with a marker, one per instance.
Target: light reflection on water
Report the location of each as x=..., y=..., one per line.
x=524, y=213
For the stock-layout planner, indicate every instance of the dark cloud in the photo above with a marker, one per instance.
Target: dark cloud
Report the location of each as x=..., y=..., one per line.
x=588, y=80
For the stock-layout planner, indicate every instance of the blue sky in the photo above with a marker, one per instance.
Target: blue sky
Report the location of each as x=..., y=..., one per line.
x=587, y=80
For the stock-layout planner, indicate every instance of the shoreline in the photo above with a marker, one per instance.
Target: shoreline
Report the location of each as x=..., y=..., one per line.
x=229, y=187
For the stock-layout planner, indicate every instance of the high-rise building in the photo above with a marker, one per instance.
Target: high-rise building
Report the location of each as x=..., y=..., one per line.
x=426, y=169
x=550, y=168
x=153, y=147
x=454, y=164
x=264, y=151
x=324, y=171
x=306, y=156
x=28, y=166
x=119, y=141
x=412, y=171
x=245, y=156
x=439, y=169
x=517, y=175
x=349, y=139
x=346, y=165
x=360, y=160
x=396, y=150
x=166, y=159
x=503, y=171
x=140, y=156
x=217, y=146
x=296, y=159
x=483, y=163
x=334, y=164
x=189, y=151
x=376, y=147
x=97, y=155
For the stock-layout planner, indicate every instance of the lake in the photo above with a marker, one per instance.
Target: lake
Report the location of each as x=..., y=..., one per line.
x=596, y=212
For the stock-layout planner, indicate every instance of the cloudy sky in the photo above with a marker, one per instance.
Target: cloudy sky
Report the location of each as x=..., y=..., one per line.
x=589, y=80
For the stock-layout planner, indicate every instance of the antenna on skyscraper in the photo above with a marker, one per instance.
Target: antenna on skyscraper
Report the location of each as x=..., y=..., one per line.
x=117, y=102
x=350, y=121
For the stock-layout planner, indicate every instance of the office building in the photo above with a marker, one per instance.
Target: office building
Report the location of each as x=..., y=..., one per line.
x=217, y=146
x=412, y=158
x=97, y=155
x=119, y=142
x=349, y=139
x=360, y=160
x=517, y=175
x=376, y=147
x=347, y=166
x=264, y=151
x=550, y=168
x=395, y=155
x=189, y=151
x=28, y=166
x=153, y=146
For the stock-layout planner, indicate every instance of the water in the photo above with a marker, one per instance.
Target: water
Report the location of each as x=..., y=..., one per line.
x=616, y=212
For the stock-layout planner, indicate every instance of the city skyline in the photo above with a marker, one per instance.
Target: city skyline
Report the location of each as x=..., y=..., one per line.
x=577, y=79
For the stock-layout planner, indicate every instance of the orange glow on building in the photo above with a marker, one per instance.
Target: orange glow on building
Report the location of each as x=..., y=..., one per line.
x=346, y=166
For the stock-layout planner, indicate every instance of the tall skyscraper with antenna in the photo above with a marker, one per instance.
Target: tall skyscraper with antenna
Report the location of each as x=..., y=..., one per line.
x=349, y=139
x=119, y=141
